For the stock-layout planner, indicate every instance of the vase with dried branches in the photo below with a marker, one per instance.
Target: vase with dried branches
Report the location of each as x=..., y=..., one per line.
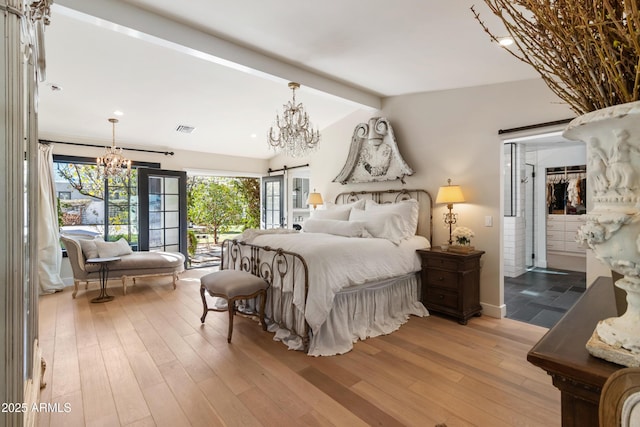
x=588, y=54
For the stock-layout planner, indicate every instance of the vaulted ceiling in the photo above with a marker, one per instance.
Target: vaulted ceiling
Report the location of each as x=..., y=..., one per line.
x=222, y=67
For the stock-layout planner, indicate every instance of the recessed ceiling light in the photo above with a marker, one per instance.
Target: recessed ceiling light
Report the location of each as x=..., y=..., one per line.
x=253, y=135
x=118, y=113
x=505, y=41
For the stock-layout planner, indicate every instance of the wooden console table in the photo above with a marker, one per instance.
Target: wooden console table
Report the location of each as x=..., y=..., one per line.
x=562, y=353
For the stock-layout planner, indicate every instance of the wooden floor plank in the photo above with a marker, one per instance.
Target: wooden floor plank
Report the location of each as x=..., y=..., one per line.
x=97, y=398
x=165, y=409
x=363, y=409
x=125, y=388
x=191, y=399
x=145, y=359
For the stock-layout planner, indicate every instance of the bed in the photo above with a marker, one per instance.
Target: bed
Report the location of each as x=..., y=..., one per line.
x=351, y=274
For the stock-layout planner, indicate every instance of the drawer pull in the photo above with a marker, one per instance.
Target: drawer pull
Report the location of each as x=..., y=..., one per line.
x=441, y=296
x=441, y=278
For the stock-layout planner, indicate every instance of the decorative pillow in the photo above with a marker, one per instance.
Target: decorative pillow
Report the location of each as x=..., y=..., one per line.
x=89, y=248
x=407, y=209
x=358, y=204
x=382, y=225
x=341, y=214
x=334, y=226
x=111, y=249
x=338, y=212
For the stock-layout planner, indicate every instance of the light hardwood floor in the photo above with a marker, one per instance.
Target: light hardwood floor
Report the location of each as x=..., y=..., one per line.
x=144, y=359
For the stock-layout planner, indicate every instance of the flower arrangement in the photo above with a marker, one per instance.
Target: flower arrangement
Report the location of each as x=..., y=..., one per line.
x=587, y=52
x=462, y=235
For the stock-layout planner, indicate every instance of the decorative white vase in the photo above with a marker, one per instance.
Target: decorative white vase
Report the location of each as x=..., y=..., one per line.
x=612, y=227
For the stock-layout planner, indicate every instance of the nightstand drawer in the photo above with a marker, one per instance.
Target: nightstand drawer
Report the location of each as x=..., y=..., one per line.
x=442, y=263
x=442, y=298
x=443, y=278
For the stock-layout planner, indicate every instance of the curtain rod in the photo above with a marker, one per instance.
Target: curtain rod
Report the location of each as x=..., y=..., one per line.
x=45, y=141
x=285, y=168
x=539, y=125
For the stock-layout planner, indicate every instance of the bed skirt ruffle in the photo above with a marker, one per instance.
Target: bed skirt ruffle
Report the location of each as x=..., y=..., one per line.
x=362, y=312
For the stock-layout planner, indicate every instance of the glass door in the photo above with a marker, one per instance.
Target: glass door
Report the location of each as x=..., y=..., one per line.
x=273, y=202
x=163, y=210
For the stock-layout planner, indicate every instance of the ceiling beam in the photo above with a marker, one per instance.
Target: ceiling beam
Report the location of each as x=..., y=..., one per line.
x=136, y=22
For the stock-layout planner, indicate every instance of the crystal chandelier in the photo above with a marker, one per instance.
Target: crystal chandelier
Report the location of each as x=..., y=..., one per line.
x=113, y=163
x=293, y=134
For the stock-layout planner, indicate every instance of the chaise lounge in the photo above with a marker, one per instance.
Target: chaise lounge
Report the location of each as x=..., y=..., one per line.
x=132, y=264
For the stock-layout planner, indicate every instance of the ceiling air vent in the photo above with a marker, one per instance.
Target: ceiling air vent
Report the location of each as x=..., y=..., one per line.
x=185, y=129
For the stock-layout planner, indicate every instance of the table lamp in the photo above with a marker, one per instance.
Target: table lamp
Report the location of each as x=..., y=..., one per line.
x=450, y=194
x=315, y=199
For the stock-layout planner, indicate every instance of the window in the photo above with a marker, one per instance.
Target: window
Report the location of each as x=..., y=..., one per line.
x=91, y=205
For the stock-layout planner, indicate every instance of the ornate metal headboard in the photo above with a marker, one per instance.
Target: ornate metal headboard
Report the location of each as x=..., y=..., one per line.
x=425, y=220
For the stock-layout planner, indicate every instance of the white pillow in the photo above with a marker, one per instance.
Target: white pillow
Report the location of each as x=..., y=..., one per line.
x=341, y=214
x=382, y=225
x=358, y=204
x=407, y=209
x=111, y=249
x=89, y=248
x=333, y=226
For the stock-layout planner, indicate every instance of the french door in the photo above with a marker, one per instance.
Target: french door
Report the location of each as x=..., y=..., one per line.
x=273, y=215
x=163, y=210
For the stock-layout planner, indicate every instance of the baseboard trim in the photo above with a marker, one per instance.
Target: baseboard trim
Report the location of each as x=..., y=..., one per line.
x=497, y=311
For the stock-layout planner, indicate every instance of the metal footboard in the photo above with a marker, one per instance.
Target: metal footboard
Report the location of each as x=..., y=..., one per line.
x=287, y=275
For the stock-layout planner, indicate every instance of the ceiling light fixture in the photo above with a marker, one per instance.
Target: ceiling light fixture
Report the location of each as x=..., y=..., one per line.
x=505, y=41
x=113, y=163
x=294, y=134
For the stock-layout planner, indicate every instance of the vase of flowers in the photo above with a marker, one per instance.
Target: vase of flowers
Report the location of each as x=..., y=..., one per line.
x=588, y=54
x=462, y=238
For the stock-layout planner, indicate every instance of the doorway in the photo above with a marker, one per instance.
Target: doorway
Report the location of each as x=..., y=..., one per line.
x=526, y=213
x=535, y=292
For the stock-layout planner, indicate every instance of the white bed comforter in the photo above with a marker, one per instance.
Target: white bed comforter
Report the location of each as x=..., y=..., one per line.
x=336, y=262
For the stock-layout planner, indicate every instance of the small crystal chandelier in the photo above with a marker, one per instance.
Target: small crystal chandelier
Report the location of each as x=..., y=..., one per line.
x=113, y=163
x=294, y=134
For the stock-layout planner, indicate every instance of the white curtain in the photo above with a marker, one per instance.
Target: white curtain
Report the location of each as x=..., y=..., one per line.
x=49, y=252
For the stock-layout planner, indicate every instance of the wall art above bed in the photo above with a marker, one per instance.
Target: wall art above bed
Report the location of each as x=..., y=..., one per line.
x=373, y=155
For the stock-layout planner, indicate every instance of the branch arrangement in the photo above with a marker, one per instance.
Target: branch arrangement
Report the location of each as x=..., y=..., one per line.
x=587, y=51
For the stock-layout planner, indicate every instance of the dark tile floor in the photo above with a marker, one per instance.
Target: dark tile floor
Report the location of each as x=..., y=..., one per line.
x=542, y=296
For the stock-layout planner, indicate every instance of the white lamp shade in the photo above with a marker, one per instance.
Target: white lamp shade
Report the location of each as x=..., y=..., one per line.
x=450, y=194
x=315, y=199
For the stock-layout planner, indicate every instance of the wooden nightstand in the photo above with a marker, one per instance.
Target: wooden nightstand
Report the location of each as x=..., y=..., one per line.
x=451, y=283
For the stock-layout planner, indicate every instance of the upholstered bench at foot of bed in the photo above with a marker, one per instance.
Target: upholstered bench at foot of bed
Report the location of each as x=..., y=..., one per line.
x=233, y=285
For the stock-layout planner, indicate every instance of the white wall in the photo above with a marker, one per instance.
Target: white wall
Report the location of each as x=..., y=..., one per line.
x=450, y=134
